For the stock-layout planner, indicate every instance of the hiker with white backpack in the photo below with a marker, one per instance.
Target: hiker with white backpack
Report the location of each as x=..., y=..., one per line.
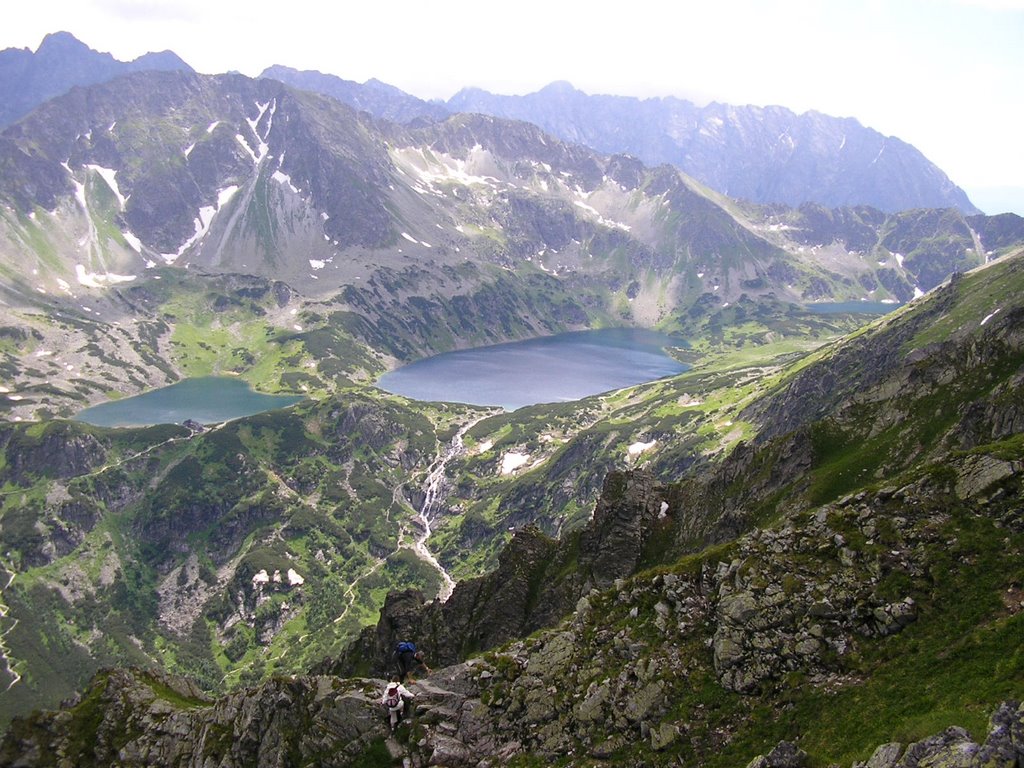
x=394, y=699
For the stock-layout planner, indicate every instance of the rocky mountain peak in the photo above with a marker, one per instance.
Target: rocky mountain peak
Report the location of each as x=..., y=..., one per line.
x=61, y=62
x=62, y=43
x=560, y=88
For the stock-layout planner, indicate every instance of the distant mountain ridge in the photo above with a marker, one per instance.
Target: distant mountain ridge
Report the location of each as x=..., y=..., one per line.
x=379, y=99
x=61, y=62
x=762, y=154
x=234, y=174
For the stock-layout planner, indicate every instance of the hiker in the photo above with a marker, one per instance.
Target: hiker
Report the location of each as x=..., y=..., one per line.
x=409, y=659
x=394, y=698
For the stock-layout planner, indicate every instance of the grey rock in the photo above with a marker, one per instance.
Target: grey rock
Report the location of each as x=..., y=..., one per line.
x=885, y=756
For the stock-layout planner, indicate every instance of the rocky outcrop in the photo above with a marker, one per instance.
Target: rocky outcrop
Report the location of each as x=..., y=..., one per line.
x=953, y=748
x=611, y=547
x=796, y=598
x=140, y=719
x=149, y=721
x=58, y=450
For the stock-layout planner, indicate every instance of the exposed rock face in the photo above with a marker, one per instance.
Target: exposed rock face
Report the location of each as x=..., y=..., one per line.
x=148, y=720
x=785, y=755
x=717, y=504
x=782, y=606
x=39, y=531
x=59, y=451
x=953, y=748
x=611, y=547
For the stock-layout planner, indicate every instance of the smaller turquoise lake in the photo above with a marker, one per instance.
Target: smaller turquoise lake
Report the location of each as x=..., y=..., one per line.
x=550, y=369
x=207, y=400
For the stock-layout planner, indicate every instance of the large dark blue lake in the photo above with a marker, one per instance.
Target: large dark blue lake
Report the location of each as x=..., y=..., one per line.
x=207, y=400
x=550, y=369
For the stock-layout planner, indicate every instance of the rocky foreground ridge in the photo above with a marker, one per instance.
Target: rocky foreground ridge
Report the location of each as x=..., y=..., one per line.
x=330, y=722
x=641, y=672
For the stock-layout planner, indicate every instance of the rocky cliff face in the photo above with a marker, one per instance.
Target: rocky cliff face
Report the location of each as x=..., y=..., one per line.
x=537, y=581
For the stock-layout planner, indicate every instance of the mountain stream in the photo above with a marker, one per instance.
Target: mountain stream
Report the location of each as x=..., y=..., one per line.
x=434, y=492
x=7, y=668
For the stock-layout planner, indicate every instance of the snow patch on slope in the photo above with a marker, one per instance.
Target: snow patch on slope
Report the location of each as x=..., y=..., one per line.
x=99, y=280
x=109, y=175
x=202, y=223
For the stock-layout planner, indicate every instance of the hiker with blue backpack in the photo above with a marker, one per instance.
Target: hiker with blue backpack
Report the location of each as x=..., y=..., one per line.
x=409, y=659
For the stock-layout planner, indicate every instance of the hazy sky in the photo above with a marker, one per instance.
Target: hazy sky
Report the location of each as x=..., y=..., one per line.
x=944, y=75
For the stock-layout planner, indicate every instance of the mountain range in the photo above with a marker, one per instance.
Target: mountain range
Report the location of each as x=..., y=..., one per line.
x=801, y=551
x=765, y=155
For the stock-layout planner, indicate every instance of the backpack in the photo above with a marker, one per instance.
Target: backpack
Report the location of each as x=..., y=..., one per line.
x=405, y=647
x=394, y=699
